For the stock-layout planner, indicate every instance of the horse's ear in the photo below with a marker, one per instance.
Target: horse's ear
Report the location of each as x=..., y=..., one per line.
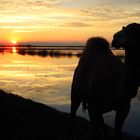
x=123, y=27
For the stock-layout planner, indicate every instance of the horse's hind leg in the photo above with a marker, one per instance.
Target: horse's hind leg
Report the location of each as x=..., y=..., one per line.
x=120, y=117
x=97, y=122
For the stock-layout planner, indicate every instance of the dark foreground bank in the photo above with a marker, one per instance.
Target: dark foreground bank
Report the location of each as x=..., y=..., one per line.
x=24, y=119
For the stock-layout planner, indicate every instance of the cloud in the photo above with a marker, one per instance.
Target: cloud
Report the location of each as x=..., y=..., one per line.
x=122, y=1
x=26, y=5
x=22, y=28
x=42, y=3
x=74, y=24
x=53, y=13
x=105, y=13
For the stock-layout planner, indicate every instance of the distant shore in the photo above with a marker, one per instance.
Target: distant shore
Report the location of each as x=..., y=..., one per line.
x=52, y=51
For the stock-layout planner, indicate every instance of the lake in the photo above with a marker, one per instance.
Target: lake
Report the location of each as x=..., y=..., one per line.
x=48, y=80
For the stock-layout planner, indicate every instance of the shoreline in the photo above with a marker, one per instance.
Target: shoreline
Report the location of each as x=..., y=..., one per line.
x=25, y=119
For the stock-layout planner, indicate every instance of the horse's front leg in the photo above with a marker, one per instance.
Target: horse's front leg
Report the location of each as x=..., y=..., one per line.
x=75, y=103
x=97, y=122
x=120, y=117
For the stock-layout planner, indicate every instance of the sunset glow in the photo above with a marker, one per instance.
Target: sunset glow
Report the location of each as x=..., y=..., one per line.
x=14, y=49
x=14, y=42
x=65, y=20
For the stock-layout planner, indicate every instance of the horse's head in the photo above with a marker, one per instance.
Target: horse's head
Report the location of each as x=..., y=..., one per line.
x=128, y=37
x=119, y=39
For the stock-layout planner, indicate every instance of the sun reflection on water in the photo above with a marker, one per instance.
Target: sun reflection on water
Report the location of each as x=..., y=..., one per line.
x=14, y=50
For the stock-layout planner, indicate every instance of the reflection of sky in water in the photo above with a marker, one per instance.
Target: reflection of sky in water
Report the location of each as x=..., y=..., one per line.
x=45, y=80
x=48, y=80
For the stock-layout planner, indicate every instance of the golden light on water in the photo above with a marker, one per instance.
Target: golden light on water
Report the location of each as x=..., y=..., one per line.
x=14, y=49
x=14, y=42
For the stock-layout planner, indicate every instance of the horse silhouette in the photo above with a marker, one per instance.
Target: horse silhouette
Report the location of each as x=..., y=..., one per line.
x=129, y=39
x=96, y=84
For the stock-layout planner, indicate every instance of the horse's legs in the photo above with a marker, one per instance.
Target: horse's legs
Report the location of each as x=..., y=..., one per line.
x=120, y=117
x=75, y=103
x=97, y=122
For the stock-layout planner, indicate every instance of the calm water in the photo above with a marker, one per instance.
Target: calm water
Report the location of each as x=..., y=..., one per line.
x=48, y=80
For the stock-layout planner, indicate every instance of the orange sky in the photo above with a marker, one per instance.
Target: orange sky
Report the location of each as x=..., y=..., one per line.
x=64, y=20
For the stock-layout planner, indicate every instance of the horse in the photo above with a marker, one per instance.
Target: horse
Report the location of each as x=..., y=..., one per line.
x=129, y=39
x=96, y=84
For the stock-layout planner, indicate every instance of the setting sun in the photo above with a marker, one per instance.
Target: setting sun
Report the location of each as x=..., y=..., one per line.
x=14, y=42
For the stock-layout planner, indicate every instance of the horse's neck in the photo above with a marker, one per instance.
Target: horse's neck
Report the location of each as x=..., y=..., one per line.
x=131, y=56
x=132, y=64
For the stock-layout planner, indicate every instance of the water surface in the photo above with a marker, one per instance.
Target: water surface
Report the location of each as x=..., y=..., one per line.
x=48, y=80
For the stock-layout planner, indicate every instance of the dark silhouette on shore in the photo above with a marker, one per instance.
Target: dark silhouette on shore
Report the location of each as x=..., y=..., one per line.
x=24, y=119
x=129, y=38
x=97, y=83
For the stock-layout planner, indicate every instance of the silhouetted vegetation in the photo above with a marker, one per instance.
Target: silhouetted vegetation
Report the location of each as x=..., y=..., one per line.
x=78, y=54
x=45, y=53
x=52, y=53
x=22, y=52
x=55, y=53
x=31, y=52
